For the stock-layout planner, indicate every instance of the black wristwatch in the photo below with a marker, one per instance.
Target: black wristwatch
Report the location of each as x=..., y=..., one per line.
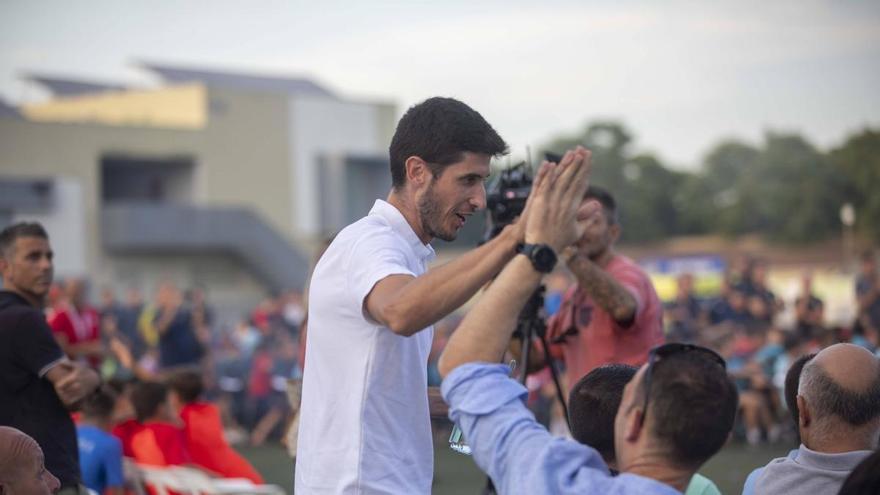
x=542, y=256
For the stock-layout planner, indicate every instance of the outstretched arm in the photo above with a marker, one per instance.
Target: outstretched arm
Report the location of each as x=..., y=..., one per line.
x=407, y=304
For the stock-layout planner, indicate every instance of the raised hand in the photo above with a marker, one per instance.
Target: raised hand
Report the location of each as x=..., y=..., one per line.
x=556, y=215
x=78, y=382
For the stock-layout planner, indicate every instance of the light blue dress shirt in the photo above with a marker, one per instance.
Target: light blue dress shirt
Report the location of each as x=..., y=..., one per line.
x=516, y=451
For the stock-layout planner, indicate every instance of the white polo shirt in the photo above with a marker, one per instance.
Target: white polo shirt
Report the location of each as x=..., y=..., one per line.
x=364, y=423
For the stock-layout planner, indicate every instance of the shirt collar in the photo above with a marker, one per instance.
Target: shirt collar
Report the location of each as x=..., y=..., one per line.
x=399, y=224
x=844, y=461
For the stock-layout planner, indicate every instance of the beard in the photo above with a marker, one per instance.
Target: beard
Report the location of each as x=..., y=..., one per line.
x=431, y=216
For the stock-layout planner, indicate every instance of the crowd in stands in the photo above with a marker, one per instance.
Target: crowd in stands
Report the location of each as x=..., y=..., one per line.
x=179, y=382
x=742, y=324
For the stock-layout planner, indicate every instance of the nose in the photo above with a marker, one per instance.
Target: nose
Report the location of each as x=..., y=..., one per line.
x=479, y=199
x=45, y=263
x=53, y=483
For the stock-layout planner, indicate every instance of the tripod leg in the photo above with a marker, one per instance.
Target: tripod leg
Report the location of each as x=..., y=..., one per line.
x=555, y=375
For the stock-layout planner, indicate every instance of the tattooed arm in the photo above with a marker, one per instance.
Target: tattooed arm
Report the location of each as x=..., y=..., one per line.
x=605, y=291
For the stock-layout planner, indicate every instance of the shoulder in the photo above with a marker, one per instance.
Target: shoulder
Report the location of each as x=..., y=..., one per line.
x=701, y=485
x=624, y=265
x=20, y=320
x=108, y=439
x=367, y=234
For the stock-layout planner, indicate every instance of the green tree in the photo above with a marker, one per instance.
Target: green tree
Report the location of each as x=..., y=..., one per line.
x=857, y=162
x=643, y=187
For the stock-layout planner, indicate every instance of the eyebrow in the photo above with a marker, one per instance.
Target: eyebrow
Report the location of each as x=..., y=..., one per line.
x=473, y=176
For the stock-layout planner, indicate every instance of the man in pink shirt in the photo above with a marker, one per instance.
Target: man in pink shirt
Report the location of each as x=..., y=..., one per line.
x=612, y=314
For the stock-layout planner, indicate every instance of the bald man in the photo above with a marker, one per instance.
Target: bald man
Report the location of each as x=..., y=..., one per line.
x=22, y=471
x=838, y=419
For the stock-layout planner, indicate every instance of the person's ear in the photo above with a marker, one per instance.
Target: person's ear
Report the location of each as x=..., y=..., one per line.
x=804, y=415
x=635, y=423
x=417, y=171
x=614, y=231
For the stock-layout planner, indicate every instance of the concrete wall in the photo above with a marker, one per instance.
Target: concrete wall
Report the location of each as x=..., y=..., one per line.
x=255, y=150
x=321, y=127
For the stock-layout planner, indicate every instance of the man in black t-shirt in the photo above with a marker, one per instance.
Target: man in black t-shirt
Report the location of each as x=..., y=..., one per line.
x=38, y=384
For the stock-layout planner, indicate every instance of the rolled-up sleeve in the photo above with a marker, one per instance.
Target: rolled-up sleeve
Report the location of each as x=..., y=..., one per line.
x=509, y=445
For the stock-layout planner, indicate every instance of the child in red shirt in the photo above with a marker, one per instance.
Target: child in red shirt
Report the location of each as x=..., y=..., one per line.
x=203, y=429
x=159, y=441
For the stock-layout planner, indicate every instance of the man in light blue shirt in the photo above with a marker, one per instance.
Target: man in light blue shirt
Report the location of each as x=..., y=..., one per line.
x=675, y=414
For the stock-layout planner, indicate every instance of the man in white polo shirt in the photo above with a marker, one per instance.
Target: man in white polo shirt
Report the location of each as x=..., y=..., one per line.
x=364, y=425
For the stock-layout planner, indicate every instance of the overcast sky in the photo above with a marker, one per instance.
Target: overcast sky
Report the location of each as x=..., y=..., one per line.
x=681, y=75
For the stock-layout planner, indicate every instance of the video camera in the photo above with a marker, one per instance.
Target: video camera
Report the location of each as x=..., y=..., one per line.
x=507, y=195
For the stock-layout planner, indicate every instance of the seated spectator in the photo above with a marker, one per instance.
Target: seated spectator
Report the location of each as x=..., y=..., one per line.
x=674, y=415
x=868, y=292
x=683, y=312
x=729, y=306
x=838, y=406
x=22, y=471
x=791, y=381
x=159, y=441
x=864, y=479
x=125, y=423
x=809, y=310
x=100, y=453
x=761, y=288
x=203, y=429
x=593, y=404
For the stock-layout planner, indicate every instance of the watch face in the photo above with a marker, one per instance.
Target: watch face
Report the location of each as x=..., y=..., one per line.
x=545, y=258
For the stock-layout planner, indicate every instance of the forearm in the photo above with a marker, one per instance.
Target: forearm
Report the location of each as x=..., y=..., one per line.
x=485, y=332
x=430, y=297
x=507, y=442
x=86, y=349
x=603, y=289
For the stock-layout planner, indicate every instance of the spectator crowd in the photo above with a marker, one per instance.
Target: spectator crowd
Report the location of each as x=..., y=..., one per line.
x=178, y=383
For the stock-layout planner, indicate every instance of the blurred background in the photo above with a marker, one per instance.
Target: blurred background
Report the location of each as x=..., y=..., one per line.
x=212, y=149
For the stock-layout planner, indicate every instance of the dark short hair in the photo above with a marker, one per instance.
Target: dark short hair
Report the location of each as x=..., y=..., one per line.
x=693, y=403
x=187, y=384
x=17, y=230
x=604, y=197
x=439, y=130
x=829, y=398
x=792, y=381
x=593, y=404
x=865, y=478
x=147, y=398
x=100, y=403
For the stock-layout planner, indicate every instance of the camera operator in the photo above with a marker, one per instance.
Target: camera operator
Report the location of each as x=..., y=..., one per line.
x=612, y=313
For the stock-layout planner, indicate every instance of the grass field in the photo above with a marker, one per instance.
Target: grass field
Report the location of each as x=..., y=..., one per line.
x=456, y=474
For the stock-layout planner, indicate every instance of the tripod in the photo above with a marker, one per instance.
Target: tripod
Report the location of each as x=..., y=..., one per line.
x=530, y=325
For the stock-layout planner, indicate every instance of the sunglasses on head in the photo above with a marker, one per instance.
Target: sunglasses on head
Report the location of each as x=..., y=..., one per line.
x=666, y=350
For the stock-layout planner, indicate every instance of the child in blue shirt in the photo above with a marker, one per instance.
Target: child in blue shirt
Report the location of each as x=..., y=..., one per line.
x=100, y=453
